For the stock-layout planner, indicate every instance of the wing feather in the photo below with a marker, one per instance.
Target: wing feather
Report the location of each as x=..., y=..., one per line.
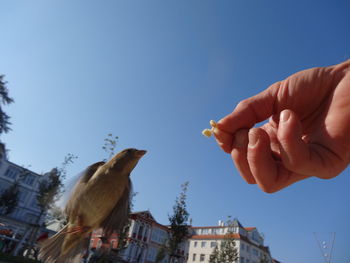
x=80, y=186
x=119, y=216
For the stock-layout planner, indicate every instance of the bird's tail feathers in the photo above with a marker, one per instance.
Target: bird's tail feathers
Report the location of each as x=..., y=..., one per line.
x=51, y=250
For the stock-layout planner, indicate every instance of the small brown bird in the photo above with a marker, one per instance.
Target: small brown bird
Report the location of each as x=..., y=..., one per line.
x=100, y=199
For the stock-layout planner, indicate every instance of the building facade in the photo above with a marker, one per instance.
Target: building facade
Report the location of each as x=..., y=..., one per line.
x=27, y=214
x=248, y=242
x=146, y=238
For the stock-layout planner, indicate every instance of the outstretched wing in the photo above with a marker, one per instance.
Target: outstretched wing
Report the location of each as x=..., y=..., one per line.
x=119, y=216
x=79, y=187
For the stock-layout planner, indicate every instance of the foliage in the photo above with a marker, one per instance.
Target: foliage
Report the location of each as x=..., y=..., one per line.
x=50, y=187
x=179, y=221
x=161, y=254
x=16, y=259
x=9, y=199
x=56, y=215
x=5, y=99
x=264, y=259
x=227, y=252
x=110, y=145
x=214, y=256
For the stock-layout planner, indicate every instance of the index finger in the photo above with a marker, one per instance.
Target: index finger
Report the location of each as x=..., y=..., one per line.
x=247, y=113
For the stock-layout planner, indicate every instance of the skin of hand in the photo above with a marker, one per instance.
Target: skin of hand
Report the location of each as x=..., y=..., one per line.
x=100, y=199
x=307, y=133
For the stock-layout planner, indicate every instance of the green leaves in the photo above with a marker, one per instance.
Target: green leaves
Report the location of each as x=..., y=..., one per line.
x=178, y=221
x=227, y=253
x=4, y=99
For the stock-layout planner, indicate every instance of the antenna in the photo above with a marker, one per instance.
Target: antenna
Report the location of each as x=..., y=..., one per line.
x=325, y=242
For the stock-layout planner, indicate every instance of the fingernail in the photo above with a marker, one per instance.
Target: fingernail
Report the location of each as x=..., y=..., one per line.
x=215, y=130
x=253, y=139
x=239, y=139
x=284, y=116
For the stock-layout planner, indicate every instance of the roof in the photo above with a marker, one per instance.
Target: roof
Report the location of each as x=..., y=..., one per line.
x=208, y=227
x=232, y=223
x=234, y=235
x=147, y=216
x=250, y=228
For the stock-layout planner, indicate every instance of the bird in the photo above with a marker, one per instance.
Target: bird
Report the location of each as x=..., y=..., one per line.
x=100, y=199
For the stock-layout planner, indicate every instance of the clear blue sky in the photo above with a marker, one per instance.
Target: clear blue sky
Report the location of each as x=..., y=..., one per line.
x=154, y=73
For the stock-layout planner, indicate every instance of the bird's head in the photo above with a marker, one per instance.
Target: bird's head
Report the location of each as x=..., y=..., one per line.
x=127, y=159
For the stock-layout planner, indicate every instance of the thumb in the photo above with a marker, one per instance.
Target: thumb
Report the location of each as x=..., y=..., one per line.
x=312, y=159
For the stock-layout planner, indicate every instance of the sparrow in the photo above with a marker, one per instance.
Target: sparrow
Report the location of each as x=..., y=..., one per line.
x=100, y=199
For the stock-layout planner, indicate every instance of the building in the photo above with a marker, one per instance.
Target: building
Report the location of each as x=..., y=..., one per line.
x=248, y=241
x=27, y=213
x=145, y=239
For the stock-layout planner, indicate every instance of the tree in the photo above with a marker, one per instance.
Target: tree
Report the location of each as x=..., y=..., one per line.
x=50, y=190
x=214, y=256
x=56, y=215
x=110, y=144
x=264, y=259
x=178, y=222
x=9, y=199
x=51, y=186
x=5, y=99
x=227, y=253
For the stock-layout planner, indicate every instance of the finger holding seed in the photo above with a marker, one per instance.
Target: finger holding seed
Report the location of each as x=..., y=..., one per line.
x=209, y=132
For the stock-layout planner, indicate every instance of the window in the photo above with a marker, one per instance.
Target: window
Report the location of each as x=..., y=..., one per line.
x=241, y=260
x=29, y=179
x=205, y=231
x=248, y=248
x=247, y=261
x=140, y=230
x=11, y=173
x=213, y=244
x=242, y=246
x=195, y=244
x=203, y=244
x=194, y=257
x=202, y=258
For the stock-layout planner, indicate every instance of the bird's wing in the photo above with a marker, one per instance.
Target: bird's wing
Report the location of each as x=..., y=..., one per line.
x=79, y=187
x=119, y=216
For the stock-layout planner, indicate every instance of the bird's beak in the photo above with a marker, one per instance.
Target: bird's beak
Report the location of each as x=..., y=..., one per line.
x=140, y=153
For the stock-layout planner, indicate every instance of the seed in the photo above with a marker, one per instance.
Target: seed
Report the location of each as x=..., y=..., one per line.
x=207, y=132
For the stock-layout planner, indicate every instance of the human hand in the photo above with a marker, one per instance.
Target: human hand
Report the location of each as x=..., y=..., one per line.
x=307, y=134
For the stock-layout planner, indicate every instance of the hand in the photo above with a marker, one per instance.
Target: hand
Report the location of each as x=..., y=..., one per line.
x=307, y=134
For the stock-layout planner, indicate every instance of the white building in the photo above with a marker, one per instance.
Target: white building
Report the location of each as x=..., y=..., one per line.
x=249, y=243
x=26, y=214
